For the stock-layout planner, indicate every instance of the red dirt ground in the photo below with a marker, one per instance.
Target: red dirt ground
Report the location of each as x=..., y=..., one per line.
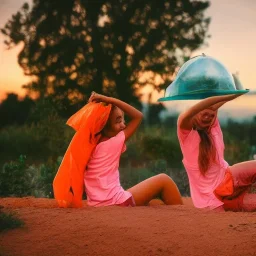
x=153, y=230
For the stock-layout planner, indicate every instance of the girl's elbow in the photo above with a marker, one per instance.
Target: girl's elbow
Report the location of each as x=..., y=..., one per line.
x=179, y=120
x=140, y=115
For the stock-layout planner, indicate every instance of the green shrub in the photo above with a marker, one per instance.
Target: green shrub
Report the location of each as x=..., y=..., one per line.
x=9, y=221
x=19, y=179
x=43, y=141
x=158, y=148
x=42, y=186
x=236, y=150
x=14, y=178
x=130, y=176
x=150, y=151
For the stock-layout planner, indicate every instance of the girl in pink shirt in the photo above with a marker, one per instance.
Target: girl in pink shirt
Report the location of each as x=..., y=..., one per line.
x=101, y=177
x=213, y=183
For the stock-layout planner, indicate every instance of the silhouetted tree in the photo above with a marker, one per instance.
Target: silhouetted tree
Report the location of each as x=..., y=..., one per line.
x=72, y=47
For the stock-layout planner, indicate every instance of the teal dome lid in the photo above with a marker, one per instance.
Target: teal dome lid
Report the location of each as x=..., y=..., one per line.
x=202, y=77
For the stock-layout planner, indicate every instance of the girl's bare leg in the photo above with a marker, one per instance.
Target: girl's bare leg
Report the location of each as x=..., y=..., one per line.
x=244, y=173
x=244, y=176
x=160, y=185
x=249, y=203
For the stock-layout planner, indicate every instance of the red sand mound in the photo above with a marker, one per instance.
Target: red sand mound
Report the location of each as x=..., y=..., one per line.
x=155, y=230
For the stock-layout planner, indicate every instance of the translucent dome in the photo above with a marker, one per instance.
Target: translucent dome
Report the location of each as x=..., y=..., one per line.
x=202, y=77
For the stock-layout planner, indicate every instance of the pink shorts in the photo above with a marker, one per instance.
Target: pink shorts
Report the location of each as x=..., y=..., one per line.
x=129, y=202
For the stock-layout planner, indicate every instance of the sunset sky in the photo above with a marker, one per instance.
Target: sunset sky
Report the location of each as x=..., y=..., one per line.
x=233, y=42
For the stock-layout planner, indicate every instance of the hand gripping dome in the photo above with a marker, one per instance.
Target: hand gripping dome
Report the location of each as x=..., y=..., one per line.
x=202, y=77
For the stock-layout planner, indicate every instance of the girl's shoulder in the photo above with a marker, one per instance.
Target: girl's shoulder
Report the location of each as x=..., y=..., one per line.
x=113, y=141
x=110, y=145
x=184, y=134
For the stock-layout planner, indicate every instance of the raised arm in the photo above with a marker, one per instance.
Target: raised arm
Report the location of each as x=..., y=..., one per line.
x=134, y=114
x=185, y=119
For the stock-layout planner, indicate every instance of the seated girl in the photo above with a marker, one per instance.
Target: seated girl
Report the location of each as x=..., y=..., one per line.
x=101, y=177
x=214, y=184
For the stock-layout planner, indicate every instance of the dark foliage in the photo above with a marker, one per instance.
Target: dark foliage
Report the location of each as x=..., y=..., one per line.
x=72, y=47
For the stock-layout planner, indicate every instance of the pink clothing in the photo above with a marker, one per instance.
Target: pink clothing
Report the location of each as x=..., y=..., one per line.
x=101, y=179
x=129, y=202
x=202, y=187
x=233, y=191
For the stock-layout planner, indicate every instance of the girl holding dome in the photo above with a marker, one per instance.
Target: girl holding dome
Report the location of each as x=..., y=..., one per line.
x=214, y=184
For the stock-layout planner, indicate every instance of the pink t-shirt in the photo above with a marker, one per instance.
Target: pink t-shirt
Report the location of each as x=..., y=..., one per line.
x=202, y=187
x=101, y=179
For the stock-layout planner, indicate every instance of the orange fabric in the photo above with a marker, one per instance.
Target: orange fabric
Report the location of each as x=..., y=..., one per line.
x=68, y=182
x=226, y=187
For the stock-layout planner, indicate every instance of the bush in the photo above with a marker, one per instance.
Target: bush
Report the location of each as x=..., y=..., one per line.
x=41, y=142
x=152, y=150
x=153, y=144
x=19, y=179
x=9, y=221
x=130, y=176
x=236, y=150
x=44, y=179
x=14, y=178
x=159, y=149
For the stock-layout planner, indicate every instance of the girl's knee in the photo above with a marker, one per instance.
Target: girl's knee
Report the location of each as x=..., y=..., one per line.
x=163, y=177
